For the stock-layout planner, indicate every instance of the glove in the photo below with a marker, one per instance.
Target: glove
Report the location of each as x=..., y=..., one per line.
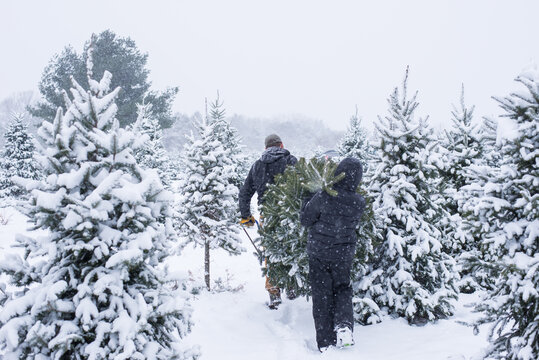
x=248, y=221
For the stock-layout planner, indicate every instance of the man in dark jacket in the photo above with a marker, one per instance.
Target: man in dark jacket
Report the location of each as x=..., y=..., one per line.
x=332, y=223
x=273, y=161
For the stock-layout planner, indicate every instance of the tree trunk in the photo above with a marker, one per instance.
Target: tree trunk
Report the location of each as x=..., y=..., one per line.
x=207, y=264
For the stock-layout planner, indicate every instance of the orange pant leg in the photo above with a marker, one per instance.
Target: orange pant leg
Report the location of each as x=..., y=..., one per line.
x=269, y=287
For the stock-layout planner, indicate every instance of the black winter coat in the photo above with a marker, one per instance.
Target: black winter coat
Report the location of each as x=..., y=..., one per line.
x=332, y=220
x=272, y=162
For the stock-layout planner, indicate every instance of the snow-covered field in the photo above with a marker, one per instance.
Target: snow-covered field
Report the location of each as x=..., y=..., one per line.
x=237, y=325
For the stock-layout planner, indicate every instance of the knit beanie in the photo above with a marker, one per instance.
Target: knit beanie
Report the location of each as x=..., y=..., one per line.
x=272, y=140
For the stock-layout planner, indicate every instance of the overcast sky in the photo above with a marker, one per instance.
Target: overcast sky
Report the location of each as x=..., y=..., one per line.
x=279, y=57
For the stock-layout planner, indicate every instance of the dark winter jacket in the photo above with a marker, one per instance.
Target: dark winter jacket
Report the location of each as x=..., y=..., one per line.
x=272, y=162
x=332, y=220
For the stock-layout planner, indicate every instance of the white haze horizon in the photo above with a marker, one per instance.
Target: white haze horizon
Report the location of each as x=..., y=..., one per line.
x=314, y=58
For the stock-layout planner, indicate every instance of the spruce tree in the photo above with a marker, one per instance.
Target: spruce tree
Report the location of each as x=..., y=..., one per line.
x=474, y=223
x=488, y=132
x=152, y=155
x=17, y=158
x=283, y=237
x=366, y=311
x=463, y=150
x=507, y=206
x=113, y=53
x=411, y=277
x=463, y=146
x=355, y=143
x=207, y=208
x=94, y=288
x=231, y=141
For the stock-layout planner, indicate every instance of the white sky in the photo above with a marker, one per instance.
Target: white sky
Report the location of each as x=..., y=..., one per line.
x=317, y=58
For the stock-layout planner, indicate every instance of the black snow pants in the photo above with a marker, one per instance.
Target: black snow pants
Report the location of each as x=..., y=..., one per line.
x=332, y=298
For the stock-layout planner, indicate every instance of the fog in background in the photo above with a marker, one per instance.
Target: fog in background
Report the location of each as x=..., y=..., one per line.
x=291, y=60
x=302, y=136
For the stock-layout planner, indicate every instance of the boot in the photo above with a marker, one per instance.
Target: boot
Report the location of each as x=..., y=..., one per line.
x=291, y=294
x=275, y=299
x=344, y=337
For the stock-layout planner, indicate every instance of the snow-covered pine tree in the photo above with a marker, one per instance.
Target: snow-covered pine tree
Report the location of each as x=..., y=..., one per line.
x=475, y=223
x=488, y=135
x=411, y=275
x=366, y=311
x=207, y=208
x=152, y=155
x=355, y=143
x=5, y=180
x=94, y=287
x=508, y=207
x=461, y=147
x=17, y=158
x=231, y=141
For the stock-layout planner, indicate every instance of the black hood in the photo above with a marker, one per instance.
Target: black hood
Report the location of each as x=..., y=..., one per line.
x=353, y=174
x=273, y=154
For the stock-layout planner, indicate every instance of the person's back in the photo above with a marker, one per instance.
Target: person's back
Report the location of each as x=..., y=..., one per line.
x=333, y=219
x=332, y=222
x=273, y=161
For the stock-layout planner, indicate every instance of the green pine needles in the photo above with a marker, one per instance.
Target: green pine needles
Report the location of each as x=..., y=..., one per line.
x=283, y=237
x=319, y=175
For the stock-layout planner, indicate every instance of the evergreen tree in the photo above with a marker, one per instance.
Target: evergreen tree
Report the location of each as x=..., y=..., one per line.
x=94, y=287
x=366, y=311
x=461, y=141
x=207, y=209
x=283, y=237
x=460, y=147
x=463, y=150
x=231, y=141
x=507, y=207
x=152, y=155
x=411, y=276
x=355, y=143
x=118, y=55
x=473, y=224
x=17, y=158
x=488, y=135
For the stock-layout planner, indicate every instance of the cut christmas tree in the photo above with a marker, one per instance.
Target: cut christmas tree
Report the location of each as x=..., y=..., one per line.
x=283, y=237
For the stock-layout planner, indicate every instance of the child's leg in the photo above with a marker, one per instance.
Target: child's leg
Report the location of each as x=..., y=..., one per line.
x=323, y=306
x=342, y=292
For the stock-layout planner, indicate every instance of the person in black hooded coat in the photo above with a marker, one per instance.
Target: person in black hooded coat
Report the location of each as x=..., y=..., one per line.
x=273, y=161
x=332, y=223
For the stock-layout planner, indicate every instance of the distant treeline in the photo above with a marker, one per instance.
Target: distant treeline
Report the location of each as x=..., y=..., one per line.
x=301, y=135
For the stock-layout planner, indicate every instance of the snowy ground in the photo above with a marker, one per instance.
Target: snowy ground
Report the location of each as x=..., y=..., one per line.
x=237, y=325
x=240, y=326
